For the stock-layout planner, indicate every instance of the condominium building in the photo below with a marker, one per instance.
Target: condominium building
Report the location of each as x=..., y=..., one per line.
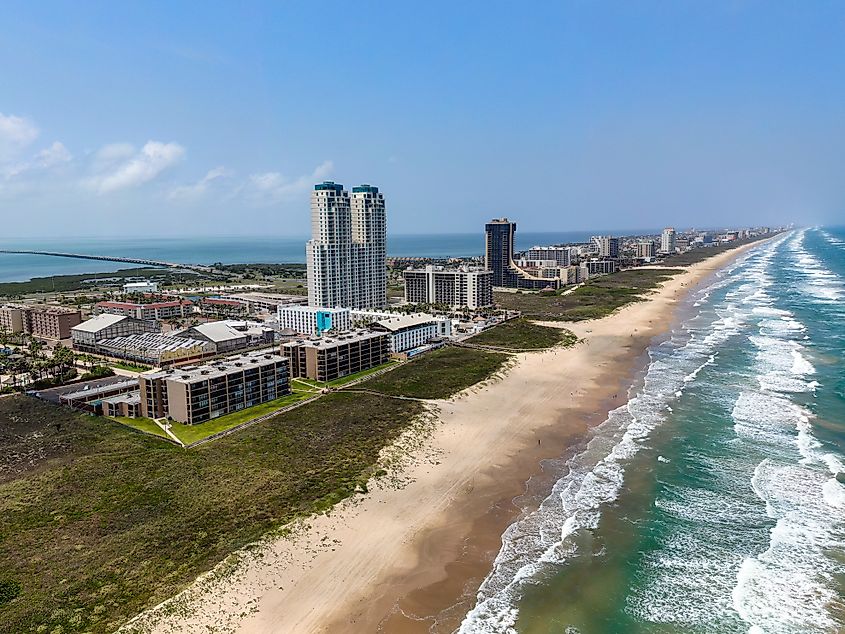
x=459, y=288
x=330, y=358
x=11, y=318
x=314, y=320
x=87, y=335
x=606, y=246
x=197, y=394
x=498, y=257
x=171, y=309
x=222, y=307
x=645, y=249
x=600, y=267
x=667, y=240
x=346, y=254
x=561, y=255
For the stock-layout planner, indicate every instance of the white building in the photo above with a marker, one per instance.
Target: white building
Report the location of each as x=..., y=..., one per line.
x=407, y=331
x=346, y=253
x=367, y=317
x=561, y=255
x=314, y=320
x=667, y=240
x=140, y=287
x=88, y=334
x=458, y=288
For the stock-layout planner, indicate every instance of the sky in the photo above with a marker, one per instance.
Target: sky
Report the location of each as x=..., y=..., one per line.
x=179, y=119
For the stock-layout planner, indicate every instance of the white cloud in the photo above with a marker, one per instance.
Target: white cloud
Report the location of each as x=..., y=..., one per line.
x=121, y=168
x=273, y=186
x=16, y=132
x=56, y=154
x=201, y=187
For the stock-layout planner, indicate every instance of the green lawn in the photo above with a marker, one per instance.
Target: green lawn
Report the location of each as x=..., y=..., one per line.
x=130, y=367
x=438, y=374
x=191, y=433
x=344, y=380
x=598, y=297
x=147, y=425
x=98, y=522
x=521, y=334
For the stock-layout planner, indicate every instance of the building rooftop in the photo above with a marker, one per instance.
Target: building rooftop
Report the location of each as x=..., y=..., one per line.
x=98, y=323
x=93, y=392
x=328, y=185
x=323, y=343
x=400, y=322
x=151, y=342
x=217, y=331
x=365, y=189
x=215, y=369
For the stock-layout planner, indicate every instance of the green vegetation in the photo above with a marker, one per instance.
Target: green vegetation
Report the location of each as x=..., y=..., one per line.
x=598, y=297
x=65, y=283
x=345, y=380
x=130, y=367
x=98, y=522
x=522, y=334
x=98, y=372
x=146, y=425
x=438, y=374
x=192, y=433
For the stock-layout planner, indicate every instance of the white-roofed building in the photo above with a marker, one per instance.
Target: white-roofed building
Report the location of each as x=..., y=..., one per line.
x=407, y=331
x=88, y=334
x=314, y=320
x=229, y=335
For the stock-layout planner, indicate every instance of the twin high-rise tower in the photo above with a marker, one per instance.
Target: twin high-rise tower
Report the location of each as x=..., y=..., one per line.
x=347, y=251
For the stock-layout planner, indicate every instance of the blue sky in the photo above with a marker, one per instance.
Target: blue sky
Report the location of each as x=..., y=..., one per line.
x=216, y=118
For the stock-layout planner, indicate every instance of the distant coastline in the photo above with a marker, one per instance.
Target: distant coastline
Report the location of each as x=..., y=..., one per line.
x=235, y=250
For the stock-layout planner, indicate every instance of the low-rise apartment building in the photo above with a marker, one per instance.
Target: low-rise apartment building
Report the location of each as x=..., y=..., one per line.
x=406, y=331
x=463, y=287
x=154, y=311
x=201, y=393
x=333, y=357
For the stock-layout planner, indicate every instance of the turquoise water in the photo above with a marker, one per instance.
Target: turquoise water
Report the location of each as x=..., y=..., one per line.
x=714, y=500
x=230, y=250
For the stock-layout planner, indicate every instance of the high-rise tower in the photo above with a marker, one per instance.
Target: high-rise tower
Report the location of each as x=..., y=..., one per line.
x=369, y=249
x=346, y=253
x=498, y=257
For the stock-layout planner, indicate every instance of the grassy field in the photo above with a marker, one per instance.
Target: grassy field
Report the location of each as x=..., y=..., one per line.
x=596, y=298
x=98, y=522
x=130, y=367
x=438, y=374
x=521, y=334
x=146, y=425
x=192, y=433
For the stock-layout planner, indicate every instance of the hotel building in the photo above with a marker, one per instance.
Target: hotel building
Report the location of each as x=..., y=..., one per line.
x=330, y=358
x=346, y=254
x=645, y=250
x=607, y=246
x=154, y=311
x=43, y=322
x=197, y=394
x=458, y=288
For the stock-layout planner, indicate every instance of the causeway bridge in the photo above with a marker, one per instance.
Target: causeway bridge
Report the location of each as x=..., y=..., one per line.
x=112, y=258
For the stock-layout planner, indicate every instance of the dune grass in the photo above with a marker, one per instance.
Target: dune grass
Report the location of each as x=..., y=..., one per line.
x=522, y=334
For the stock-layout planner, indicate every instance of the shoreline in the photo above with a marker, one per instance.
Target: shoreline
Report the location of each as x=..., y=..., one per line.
x=411, y=553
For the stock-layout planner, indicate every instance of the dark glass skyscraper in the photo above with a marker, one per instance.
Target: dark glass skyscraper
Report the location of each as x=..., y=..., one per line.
x=498, y=257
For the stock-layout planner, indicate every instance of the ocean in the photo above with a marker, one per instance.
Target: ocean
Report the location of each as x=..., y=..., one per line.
x=231, y=250
x=714, y=500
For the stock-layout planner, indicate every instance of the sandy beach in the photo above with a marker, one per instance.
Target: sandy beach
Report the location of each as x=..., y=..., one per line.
x=411, y=553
